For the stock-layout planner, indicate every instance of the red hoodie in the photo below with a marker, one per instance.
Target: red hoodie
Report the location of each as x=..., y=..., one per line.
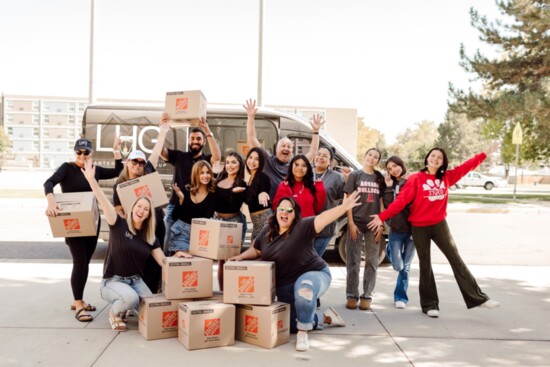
x=428, y=195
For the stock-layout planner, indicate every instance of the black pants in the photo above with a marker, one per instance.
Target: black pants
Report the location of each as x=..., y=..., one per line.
x=441, y=235
x=82, y=250
x=153, y=272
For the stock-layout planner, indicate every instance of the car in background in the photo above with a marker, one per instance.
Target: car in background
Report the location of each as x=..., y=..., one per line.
x=479, y=180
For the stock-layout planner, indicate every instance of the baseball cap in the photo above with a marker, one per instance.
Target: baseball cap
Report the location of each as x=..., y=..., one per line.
x=137, y=154
x=83, y=144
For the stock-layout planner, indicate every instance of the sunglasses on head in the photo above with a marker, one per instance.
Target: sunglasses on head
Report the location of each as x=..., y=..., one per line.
x=285, y=210
x=79, y=152
x=137, y=161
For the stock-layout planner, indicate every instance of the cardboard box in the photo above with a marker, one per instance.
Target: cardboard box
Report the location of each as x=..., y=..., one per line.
x=148, y=185
x=249, y=282
x=79, y=215
x=206, y=324
x=187, y=278
x=243, y=147
x=215, y=239
x=158, y=317
x=264, y=326
x=185, y=108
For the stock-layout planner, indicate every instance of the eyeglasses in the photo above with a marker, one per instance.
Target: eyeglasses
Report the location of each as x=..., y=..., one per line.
x=137, y=161
x=79, y=152
x=285, y=210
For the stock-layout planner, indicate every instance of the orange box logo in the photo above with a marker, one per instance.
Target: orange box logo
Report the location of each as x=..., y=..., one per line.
x=229, y=239
x=71, y=224
x=183, y=323
x=279, y=324
x=143, y=191
x=246, y=284
x=251, y=324
x=190, y=279
x=203, y=238
x=212, y=327
x=182, y=104
x=169, y=319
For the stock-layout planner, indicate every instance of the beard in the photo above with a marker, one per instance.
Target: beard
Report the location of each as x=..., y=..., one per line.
x=194, y=150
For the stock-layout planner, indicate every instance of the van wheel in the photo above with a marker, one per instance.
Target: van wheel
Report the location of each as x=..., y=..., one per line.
x=341, y=244
x=488, y=186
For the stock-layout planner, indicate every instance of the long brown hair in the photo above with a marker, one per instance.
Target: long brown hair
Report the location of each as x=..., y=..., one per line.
x=274, y=224
x=195, y=184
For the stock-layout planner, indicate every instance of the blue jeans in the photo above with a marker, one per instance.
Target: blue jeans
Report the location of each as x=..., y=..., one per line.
x=320, y=244
x=168, y=222
x=124, y=293
x=401, y=252
x=302, y=296
x=239, y=218
x=179, y=237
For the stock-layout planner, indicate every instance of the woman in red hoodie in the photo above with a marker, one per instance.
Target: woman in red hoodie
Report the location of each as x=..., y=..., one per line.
x=427, y=191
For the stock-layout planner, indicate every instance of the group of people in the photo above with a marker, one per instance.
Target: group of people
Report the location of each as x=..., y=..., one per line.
x=294, y=203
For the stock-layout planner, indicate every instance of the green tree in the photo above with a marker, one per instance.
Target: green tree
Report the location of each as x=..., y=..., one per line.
x=516, y=83
x=367, y=138
x=4, y=145
x=413, y=144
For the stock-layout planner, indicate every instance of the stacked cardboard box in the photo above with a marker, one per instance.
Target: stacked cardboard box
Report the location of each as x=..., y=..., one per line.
x=264, y=326
x=158, y=317
x=184, y=278
x=215, y=239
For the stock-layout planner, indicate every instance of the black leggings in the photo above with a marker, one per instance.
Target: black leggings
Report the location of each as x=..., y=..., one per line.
x=152, y=272
x=82, y=250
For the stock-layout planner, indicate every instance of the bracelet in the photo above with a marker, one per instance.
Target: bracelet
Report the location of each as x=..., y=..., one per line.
x=315, y=133
x=209, y=136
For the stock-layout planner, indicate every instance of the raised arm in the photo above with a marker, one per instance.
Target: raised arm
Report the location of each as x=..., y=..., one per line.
x=116, y=148
x=251, y=138
x=316, y=123
x=214, y=147
x=163, y=151
x=108, y=208
x=164, y=128
x=329, y=216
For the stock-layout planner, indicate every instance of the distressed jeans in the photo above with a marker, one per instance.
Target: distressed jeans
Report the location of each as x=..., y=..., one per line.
x=365, y=239
x=124, y=293
x=302, y=296
x=441, y=235
x=401, y=252
x=179, y=237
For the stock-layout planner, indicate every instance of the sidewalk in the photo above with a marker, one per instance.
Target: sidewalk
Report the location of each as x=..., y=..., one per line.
x=37, y=327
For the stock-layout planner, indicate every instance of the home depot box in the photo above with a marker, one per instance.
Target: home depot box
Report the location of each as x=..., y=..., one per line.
x=249, y=282
x=148, y=185
x=185, y=108
x=187, y=278
x=158, y=317
x=243, y=147
x=78, y=217
x=206, y=324
x=264, y=326
x=215, y=239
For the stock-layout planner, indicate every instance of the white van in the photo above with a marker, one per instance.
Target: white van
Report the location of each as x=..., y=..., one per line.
x=138, y=128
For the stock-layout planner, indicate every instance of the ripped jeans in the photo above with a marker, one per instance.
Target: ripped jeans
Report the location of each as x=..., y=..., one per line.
x=303, y=300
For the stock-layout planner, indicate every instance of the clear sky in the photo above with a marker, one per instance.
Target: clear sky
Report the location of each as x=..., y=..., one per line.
x=392, y=60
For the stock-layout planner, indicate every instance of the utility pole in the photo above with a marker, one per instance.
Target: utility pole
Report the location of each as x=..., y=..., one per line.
x=91, y=96
x=260, y=53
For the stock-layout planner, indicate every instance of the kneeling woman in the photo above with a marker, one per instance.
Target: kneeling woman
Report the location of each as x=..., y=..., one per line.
x=131, y=242
x=302, y=276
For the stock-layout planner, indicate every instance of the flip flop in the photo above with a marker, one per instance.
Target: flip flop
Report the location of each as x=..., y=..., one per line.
x=88, y=307
x=83, y=317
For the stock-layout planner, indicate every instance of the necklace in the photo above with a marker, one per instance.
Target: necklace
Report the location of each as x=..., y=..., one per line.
x=319, y=178
x=299, y=192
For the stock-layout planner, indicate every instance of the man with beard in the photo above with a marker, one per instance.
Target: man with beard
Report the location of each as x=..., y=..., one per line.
x=183, y=161
x=276, y=166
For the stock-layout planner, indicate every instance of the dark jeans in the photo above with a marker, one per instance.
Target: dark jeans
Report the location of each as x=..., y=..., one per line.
x=440, y=234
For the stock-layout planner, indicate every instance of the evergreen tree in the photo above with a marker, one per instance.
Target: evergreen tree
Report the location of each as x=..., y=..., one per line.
x=516, y=84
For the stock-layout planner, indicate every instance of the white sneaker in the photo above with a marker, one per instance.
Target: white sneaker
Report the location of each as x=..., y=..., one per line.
x=400, y=304
x=302, y=342
x=336, y=319
x=490, y=304
x=433, y=313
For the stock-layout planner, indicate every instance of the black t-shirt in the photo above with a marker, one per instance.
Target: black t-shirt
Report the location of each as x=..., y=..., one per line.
x=127, y=253
x=71, y=178
x=228, y=201
x=183, y=163
x=264, y=185
x=189, y=210
x=292, y=253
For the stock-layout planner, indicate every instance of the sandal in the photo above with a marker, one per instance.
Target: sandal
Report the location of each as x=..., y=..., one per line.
x=117, y=324
x=88, y=307
x=83, y=317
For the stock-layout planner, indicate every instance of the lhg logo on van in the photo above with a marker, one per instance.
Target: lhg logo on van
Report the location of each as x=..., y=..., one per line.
x=246, y=284
x=190, y=279
x=71, y=224
x=251, y=324
x=212, y=327
x=203, y=238
x=182, y=104
x=143, y=191
x=169, y=319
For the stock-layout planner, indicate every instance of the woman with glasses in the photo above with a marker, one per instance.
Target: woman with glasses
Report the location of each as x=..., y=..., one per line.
x=302, y=276
x=69, y=176
x=136, y=166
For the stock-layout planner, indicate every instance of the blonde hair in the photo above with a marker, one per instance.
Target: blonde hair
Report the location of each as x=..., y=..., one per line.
x=149, y=224
x=125, y=174
x=195, y=184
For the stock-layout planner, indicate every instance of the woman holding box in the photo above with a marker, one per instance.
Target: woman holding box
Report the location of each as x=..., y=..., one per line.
x=196, y=200
x=302, y=276
x=70, y=178
x=131, y=242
